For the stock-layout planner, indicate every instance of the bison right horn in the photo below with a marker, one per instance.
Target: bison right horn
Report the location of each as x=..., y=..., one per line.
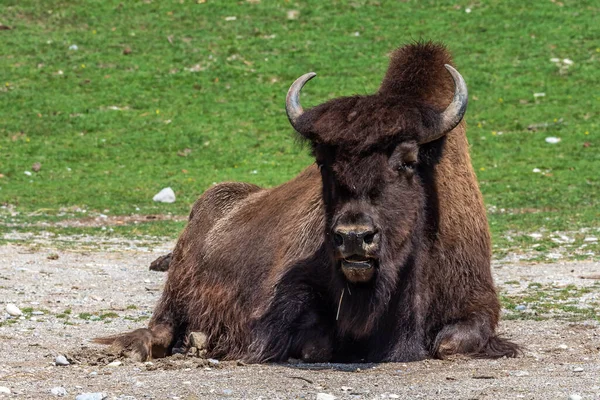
x=292, y=101
x=455, y=111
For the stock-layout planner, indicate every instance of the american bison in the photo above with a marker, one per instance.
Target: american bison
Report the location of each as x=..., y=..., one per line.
x=380, y=251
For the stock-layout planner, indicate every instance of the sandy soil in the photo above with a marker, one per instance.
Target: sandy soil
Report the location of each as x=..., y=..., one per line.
x=117, y=292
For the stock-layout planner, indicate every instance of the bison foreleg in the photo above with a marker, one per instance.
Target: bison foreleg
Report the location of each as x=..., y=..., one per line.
x=473, y=337
x=141, y=344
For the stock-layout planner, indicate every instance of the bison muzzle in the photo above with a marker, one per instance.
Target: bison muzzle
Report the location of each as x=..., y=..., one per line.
x=380, y=251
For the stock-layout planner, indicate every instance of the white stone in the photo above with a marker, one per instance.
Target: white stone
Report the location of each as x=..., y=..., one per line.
x=552, y=140
x=73, y=47
x=58, y=391
x=325, y=396
x=575, y=397
x=4, y=390
x=91, y=396
x=61, y=360
x=114, y=364
x=590, y=239
x=167, y=195
x=578, y=369
x=13, y=310
x=536, y=170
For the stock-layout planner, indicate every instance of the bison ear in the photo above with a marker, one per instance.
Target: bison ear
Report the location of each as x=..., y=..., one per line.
x=405, y=157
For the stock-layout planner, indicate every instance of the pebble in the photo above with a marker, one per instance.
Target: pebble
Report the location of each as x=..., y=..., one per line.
x=521, y=307
x=552, y=140
x=578, y=369
x=227, y=392
x=198, y=340
x=61, y=360
x=520, y=373
x=575, y=397
x=346, y=388
x=563, y=346
x=4, y=390
x=167, y=195
x=13, y=310
x=91, y=396
x=213, y=362
x=58, y=391
x=37, y=313
x=393, y=396
x=325, y=396
x=114, y=364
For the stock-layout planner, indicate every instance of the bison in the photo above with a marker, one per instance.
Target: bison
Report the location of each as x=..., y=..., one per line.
x=379, y=251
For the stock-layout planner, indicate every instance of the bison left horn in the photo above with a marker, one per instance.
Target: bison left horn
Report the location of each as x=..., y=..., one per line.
x=455, y=111
x=292, y=101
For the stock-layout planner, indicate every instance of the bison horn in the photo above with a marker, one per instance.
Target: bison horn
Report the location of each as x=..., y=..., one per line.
x=454, y=113
x=292, y=100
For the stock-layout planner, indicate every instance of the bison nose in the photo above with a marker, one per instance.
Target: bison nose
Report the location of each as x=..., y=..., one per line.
x=354, y=240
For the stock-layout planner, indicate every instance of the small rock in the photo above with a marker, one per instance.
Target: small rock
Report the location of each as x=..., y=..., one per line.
x=552, y=140
x=213, y=362
x=578, y=369
x=325, y=396
x=36, y=167
x=198, y=340
x=73, y=47
x=114, y=364
x=127, y=51
x=4, y=390
x=227, y=392
x=346, y=388
x=393, y=396
x=61, y=360
x=293, y=14
x=37, y=313
x=520, y=373
x=521, y=307
x=563, y=346
x=58, y=391
x=52, y=256
x=167, y=195
x=536, y=170
x=13, y=310
x=91, y=396
x=28, y=173
x=590, y=239
x=575, y=397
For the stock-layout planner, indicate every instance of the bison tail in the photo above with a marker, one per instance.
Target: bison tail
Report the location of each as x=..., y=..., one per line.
x=498, y=347
x=141, y=344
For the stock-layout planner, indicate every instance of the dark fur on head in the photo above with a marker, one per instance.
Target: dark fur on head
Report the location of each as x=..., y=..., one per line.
x=401, y=110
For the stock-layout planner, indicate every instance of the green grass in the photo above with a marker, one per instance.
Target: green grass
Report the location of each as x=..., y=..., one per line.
x=550, y=302
x=107, y=127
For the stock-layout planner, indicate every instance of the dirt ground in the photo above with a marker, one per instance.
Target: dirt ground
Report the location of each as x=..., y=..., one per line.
x=86, y=293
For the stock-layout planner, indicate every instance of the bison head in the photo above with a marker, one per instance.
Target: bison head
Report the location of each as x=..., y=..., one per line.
x=367, y=149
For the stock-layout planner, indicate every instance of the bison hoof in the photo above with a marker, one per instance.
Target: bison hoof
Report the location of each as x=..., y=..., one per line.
x=318, y=351
x=161, y=263
x=136, y=345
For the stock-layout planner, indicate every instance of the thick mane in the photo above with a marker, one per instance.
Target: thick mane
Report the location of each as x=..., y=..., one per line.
x=415, y=89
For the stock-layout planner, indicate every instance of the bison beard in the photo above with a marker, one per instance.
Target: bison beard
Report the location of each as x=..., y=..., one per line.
x=378, y=252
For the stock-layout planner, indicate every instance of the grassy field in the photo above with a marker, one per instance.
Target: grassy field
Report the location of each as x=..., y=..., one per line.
x=118, y=99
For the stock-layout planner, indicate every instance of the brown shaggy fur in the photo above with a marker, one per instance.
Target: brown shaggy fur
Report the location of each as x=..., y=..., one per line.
x=258, y=272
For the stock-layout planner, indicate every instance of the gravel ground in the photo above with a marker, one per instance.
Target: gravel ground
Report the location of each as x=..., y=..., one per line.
x=113, y=291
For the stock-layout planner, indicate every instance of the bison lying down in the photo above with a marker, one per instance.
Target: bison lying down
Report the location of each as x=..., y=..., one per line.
x=380, y=251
